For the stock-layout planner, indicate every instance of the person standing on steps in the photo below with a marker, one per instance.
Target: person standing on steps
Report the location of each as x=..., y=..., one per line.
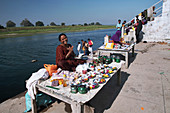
x=138, y=30
x=86, y=48
x=83, y=46
x=78, y=48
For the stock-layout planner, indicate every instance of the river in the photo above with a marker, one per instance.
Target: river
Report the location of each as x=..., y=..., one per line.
x=16, y=55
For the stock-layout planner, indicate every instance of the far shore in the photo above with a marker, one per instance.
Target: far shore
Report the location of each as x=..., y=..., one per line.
x=28, y=31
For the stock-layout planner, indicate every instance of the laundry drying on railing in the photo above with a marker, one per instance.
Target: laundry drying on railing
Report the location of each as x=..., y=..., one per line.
x=145, y=16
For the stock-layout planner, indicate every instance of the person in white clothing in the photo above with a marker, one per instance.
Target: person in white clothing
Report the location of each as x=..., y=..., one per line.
x=150, y=12
x=78, y=48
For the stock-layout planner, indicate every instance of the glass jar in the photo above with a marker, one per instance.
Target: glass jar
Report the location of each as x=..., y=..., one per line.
x=74, y=89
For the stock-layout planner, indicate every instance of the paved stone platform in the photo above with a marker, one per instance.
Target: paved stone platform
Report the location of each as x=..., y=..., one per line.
x=145, y=87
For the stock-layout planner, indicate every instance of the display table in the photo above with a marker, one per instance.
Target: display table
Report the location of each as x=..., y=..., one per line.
x=75, y=100
x=124, y=50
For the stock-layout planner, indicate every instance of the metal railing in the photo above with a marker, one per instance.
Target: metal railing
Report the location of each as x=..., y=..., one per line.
x=156, y=13
x=158, y=8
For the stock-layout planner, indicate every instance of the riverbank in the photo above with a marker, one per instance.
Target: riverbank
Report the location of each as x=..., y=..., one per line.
x=27, y=31
x=144, y=89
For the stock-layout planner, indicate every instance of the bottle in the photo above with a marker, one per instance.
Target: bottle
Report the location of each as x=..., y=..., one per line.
x=118, y=59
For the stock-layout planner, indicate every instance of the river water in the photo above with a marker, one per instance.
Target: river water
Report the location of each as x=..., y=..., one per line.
x=16, y=55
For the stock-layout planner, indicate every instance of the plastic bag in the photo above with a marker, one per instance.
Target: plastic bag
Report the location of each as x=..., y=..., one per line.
x=41, y=100
x=81, y=67
x=106, y=39
x=51, y=68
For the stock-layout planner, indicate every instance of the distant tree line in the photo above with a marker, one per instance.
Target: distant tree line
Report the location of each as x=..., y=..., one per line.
x=97, y=23
x=26, y=23
x=2, y=27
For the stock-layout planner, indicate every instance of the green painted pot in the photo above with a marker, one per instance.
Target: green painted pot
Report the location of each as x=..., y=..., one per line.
x=82, y=89
x=108, y=61
x=117, y=59
x=99, y=57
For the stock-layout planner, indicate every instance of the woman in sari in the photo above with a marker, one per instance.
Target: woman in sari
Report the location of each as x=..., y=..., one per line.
x=65, y=55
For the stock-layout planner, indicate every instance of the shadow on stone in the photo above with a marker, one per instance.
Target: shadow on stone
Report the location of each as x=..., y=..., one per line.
x=68, y=108
x=43, y=109
x=141, y=33
x=106, y=96
x=131, y=58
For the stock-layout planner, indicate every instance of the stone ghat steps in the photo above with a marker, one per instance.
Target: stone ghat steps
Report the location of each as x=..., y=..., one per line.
x=156, y=30
x=159, y=29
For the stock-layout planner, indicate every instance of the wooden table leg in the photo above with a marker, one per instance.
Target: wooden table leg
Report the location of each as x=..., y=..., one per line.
x=126, y=59
x=119, y=77
x=133, y=51
x=34, y=105
x=98, y=53
x=76, y=107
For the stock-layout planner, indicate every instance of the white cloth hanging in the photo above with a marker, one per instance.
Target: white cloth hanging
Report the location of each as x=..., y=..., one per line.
x=33, y=80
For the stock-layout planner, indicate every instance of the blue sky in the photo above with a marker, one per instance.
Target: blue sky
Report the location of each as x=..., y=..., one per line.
x=107, y=12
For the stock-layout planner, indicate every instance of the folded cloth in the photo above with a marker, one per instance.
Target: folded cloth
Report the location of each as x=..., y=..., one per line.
x=33, y=80
x=81, y=67
x=80, y=55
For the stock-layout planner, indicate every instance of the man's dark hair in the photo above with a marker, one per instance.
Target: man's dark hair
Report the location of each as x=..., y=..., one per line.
x=59, y=37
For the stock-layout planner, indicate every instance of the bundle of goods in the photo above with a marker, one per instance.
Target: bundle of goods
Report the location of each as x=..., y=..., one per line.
x=63, y=78
x=87, y=76
x=103, y=60
x=99, y=80
x=92, y=74
x=106, y=75
x=93, y=85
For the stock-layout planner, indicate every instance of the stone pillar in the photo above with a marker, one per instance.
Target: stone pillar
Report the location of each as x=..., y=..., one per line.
x=166, y=17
